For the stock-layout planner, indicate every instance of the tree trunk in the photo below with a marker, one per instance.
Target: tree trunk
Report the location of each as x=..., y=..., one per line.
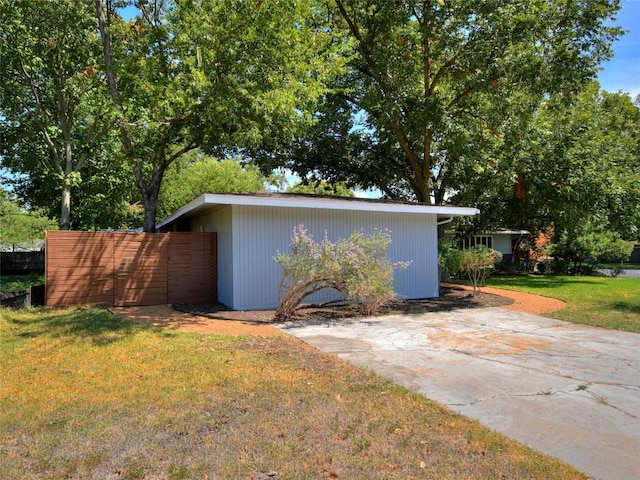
x=65, y=208
x=149, y=214
x=150, y=192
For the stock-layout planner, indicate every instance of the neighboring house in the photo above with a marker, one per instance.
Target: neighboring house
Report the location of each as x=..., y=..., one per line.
x=251, y=228
x=505, y=241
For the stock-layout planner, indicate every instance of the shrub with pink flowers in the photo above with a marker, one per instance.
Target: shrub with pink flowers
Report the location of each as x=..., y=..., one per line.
x=357, y=267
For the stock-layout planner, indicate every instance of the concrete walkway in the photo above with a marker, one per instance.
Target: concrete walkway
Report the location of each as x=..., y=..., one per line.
x=567, y=390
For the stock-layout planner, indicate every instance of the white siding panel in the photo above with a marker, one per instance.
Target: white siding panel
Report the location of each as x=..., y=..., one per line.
x=259, y=232
x=502, y=243
x=220, y=221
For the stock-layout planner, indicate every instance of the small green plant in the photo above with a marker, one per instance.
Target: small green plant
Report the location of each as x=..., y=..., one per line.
x=477, y=262
x=357, y=267
x=545, y=392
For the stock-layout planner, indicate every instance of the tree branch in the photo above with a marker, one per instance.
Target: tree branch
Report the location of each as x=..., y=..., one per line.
x=192, y=145
x=111, y=74
x=466, y=92
x=449, y=63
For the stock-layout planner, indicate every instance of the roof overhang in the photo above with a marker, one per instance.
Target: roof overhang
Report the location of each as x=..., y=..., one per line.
x=507, y=231
x=208, y=201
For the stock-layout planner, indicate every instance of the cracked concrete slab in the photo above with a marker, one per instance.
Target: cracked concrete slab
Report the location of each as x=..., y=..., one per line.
x=568, y=390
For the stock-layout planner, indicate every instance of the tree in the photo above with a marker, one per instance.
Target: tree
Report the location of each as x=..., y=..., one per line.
x=19, y=226
x=581, y=154
x=586, y=243
x=321, y=188
x=107, y=197
x=591, y=158
x=434, y=87
x=52, y=111
x=194, y=174
x=221, y=75
x=579, y=165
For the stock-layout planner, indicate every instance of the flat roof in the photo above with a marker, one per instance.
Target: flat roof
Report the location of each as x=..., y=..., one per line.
x=289, y=200
x=507, y=231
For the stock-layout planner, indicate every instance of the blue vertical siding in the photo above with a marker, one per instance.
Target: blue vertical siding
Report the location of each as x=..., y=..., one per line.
x=220, y=220
x=259, y=232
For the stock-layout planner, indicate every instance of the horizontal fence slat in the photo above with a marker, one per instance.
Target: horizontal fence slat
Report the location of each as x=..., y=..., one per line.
x=129, y=268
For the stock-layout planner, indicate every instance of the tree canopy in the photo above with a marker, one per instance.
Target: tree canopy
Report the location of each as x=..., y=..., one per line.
x=579, y=164
x=473, y=102
x=220, y=75
x=194, y=174
x=18, y=226
x=321, y=188
x=435, y=87
x=53, y=116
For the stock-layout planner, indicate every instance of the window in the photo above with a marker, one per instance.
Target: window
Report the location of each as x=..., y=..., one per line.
x=486, y=240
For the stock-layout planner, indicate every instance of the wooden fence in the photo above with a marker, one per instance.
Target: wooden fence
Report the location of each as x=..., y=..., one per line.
x=129, y=269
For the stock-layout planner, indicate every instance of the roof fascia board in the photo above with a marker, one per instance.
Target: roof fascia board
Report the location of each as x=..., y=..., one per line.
x=316, y=203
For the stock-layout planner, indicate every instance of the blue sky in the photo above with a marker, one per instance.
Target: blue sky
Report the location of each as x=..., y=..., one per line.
x=622, y=72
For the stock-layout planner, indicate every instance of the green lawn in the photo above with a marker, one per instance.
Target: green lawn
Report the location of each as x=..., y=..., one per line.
x=599, y=301
x=84, y=394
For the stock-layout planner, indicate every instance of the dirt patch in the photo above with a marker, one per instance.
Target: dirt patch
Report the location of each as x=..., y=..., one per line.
x=483, y=343
x=210, y=317
x=524, y=302
x=451, y=297
x=166, y=317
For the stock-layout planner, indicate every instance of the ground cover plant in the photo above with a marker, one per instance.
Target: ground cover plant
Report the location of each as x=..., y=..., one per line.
x=85, y=394
x=597, y=301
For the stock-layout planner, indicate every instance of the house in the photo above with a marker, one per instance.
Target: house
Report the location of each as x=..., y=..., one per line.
x=251, y=228
x=507, y=242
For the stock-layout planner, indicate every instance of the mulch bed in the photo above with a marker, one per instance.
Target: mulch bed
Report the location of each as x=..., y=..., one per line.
x=451, y=298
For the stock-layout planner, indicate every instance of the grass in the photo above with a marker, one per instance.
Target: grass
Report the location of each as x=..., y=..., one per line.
x=85, y=394
x=598, y=301
x=19, y=283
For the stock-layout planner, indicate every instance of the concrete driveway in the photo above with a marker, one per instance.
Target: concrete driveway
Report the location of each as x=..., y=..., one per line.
x=567, y=390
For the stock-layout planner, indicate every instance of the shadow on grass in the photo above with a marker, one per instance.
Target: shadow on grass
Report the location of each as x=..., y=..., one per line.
x=96, y=325
x=625, y=307
x=540, y=281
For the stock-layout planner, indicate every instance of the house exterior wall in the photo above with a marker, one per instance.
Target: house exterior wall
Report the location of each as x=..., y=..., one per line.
x=258, y=232
x=220, y=220
x=502, y=243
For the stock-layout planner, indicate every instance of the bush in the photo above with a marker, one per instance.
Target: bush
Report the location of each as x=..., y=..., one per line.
x=477, y=262
x=580, y=252
x=449, y=257
x=358, y=267
x=611, y=249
